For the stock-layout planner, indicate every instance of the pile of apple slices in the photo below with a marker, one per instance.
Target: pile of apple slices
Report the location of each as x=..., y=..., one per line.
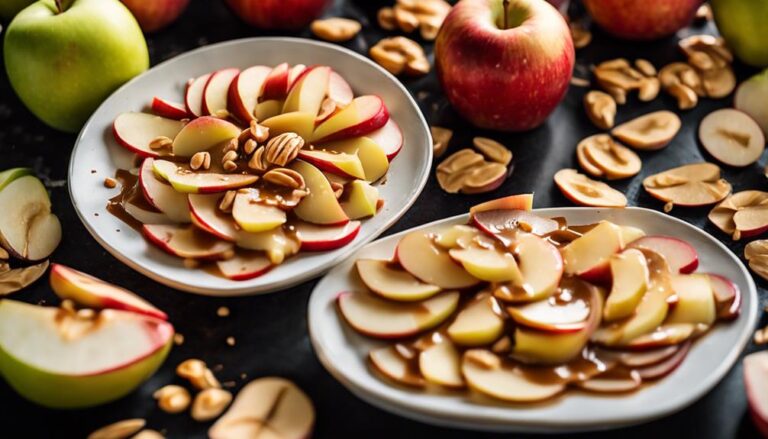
x=98, y=345
x=348, y=144
x=521, y=307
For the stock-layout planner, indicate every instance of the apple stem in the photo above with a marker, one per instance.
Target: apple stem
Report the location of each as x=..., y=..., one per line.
x=506, y=13
x=59, y=7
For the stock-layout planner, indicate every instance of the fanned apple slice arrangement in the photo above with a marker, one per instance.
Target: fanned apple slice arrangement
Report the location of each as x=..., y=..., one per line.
x=521, y=307
x=256, y=165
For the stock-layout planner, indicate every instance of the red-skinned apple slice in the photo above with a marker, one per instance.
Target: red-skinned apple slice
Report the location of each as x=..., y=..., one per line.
x=505, y=223
x=588, y=255
x=161, y=195
x=244, y=92
x=695, y=300
x=321, y=205
x=276, y=243
x=613, y=381
x=185, y=181
x=205, y=214
x=193, y=97
x=217, y=89
x=512, y=202
x=389, y=138
x=639, y=358
x=276, y=84
x=168, y=109
x=88, y=291
x=732, y=137
x=727, y=296
x=339, y=90
x=245, y=265
x=309, y=91
x=372, y=158
x=382, y=318
x=134, y=131
x=388, y=361
x=489, y=265
x=563, y=312
x=665, y=367
x=440, y=363
x=186, y=242
x=392, y=282
x=363, y=116
x=322, y=238
x=295, y=73
x=681, y=256
x=629, y=274
x=756, y=383
x=297, y=122
x=145, y=216
x=507, y=383
x=346, y=165
x=430, y=264
x=28, y=229
x=201, y=134
x=478, y=323
x=253, y=216
x=665, y=335
x=541, y=266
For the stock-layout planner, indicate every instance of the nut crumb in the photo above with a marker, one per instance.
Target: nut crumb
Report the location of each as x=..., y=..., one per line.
x=231, y=341
x=178, y=339
x=110, y=183
x=119, y=430
x=172, y=398
x=191, y=263
x=210, y=403
x=761, y=336
x=223, y=311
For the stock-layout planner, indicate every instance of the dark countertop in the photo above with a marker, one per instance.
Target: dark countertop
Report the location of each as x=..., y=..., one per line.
x=271, y=330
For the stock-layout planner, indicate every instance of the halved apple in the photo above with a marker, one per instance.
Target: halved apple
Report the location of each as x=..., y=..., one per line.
x=696, y=301
x=28, y=229
x=61, y=359
x=505, y=223
x=168, y=109
x=245, y=265
x=201, y=134
x=629, y=271
x=323, y=238
x=389, y=138
x=512, y=202
x=193, y=97
x=301, y=123
x=756, y=383
x=681, y=256
x=727, y=296
x=339, y=90
x=186, y=242
x=216, y=90
x=205, y=214
x=478, y=323
x=183, y=180
x=490, y=265
x=507, y=383
x=372, y=158
x=382, y=318
x=588, y=255
x=276, y=84
x=276, y=243
x=253, y=216
x=161, y=195
x=134, y=131
x=321, y=205
x=392, y=282
x=363, y=116
x=244, y=91
x=433, y=265
x=392, y=365
x=665, y=335
x=346, y=165
x=440, y=363
x=565, y=311
x=308, y=92
x=88, y=291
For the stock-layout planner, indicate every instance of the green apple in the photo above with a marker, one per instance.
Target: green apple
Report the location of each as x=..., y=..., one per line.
x=742, y=24
x=64, y=63
x=9, y=175
x=9, y=8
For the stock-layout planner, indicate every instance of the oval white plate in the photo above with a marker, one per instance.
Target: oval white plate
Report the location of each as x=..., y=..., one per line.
x=344, y=352
x=96, y=150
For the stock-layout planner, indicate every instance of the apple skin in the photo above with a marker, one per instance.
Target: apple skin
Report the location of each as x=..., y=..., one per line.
x=642, y=20
x=507, y=80
x=742, y=25
x=155, y=15
x=64, y=65
x=278, y=14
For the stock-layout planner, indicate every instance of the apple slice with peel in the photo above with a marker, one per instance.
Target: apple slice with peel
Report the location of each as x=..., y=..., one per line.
x=459, y=236
x=276, y=243
x=245, y=265
x=617, y=380
x=505, y=223
x=88, y=291
x=664, y=368
x=186, y=242
x=9, y=175
x=393, y=283
x=485, y=372
x=339, y=90
x=206, y=215
x=201, y=134
x=389, y=138
x=732, y=137
x=362, y=200
x=489, y=265
x=372, y=158
x=388, y=361
x=253, y=216
x=479, y=323
x=183, y=180
x=727, y=296
x=28, y=229
x=665, y=335
x=145, y=216
x=565, y=311
x=295, y=73
x=298, y=122
x=756, y=383
x=433, y=265
x=440, y=363
x=696, y=300
x=321, y=205
x=244, y=91
x=541, y=267
x=161, y=195
x=268, y=109
x=323, y=238
x=60, y=358
x=168, y=109
x=308, y=92
x=134, y=131
x=381, y=318
x=629, y=271
x=681, y=256
x=588, y=255
x=341, y=163
x=512, y=202
x=630, y=234
x=276, y=84
x=217, y=89
x=639, y=358
x=364, y=115
x=193, y=97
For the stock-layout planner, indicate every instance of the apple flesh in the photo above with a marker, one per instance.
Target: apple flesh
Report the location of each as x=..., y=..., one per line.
x=217, y=90
x=479, y=323
x=339, y=90
x=696, y=301
x=275, y=85
x=432, y=265
x=28, y=229
x=372, y=158
x=9, y=175
x=244, y=266
x=362, y=200
x=681, y=256
x=320, y=206
x=201, y=134
x=665, y=367
x=489, y=265
x=563, y=312
x=512, y=202
x=389, y=138
x=504, y=382
x=134, y=131
x=193, y=96
x=244, y=92
x=732, y=137
x=727, y=296
x=671, y=334
x=756, y=383
x=504, y=224
x=340, y=163
x=363, y=116
x=391, y=364
x=253, y=216
x=629, y=274
x=440, y=364
x=206, y=215
x=276, y=243
x=612, y=382
x=185, y=181
x=168, y=109
x=298, y=122
x=393, y=283
x=186, y=242
x=161, y=195
x=588, y=255
x=308, y=92
x=750, y=98
x=647, y=20
x=324, y=238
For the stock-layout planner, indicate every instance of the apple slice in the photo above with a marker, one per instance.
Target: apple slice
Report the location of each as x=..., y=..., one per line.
x=696, y=300
x=630, y=234
x=489, y=265
x=588, y=256
x=650, y=131
x=565, y=311
x=681, y=256
x=512, y=202
x=440, y=363
x=629, y=271
x=389, y=138
x=145, y=216
x=372, y=158
x=245, y=265
x=193, y=97
x=742, y=214
x=461, y=236
x=276, y=243
x=695, y=184
x=322, y=238
x=756, y=383
x=639, y=358
x=186, y=242
x=268, y=109
x=168, y=109
x=422, y=258
x=727, y=296
x=750, y=98
x=339, y=90
x=321, y=205
x=298, y=122
x=201, y=134
x=500, y=381
x=61, y=359
x=88, y=291
x=9, y=175
x=585, y=191
x=665, y=335
x=382, y=318
x=28, y=229
x=205, y=213
x=134, y=131
x=478, y=323
x=505, y=223
x=276, y=84
x=217, y=89
x=392, y=282
x=665, y=367
x=732, y=137
x=617, y=380
x=391, y=364
x=295, y=73
x=253, y=216
x=307, y=94
x=363, y=116
x=183, y=180
x=161, y=195
x=541, y=266
x=341, y=163
x=244, y=91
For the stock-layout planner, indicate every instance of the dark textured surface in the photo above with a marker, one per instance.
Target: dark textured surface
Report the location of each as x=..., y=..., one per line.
x=271, y=330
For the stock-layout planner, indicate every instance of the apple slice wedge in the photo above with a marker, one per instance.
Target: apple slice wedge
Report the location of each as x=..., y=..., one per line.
x=341, y=163
x=756, y=383
x=161, y=195
x=588, y=255
x=490, y=265
x=268, y=109
x=393, y=283
x=295, y=73
x=9, y=175
x=372, y=158
x=244, y=92
x=541, y=266
x=361, y=200
x=418, y=255
x=321, y=205
x=201, y=134
x=206, y=215
x=28, y=229
x=217, y=89
x=681, y=256
x=389, y=138
x=727, y=296
x=186, y=242
x=511, y=202
x=88, y=291
x=245, y=265
x=504, y=224
x=276, y=243
x=168, y=109
x=193, y=97
x=339, y=90
x=565, y=311
x=298, y=122
x=664, y=368
x=479, y=323
x=58, y=360
x=324, y=238
x=629, y=274
x=388, y=361
x=617, y=380
x=364, y=115
x=695, y=300
x=308, y=92
x=500, y=381
x=671, y=334
x=146, y=216
x=253, y=216
x=134, y=131
x=732, y=137
x=639, y=358
x=440, y=363
x=276, y=84
x=188, y=182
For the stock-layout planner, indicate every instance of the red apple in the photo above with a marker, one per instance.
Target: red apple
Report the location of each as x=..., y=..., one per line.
x=155, y=15
x=642, y=20
x=278, y=14
x=502, y=73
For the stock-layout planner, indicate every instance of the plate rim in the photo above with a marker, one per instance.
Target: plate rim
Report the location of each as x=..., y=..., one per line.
x=429, y=415
x=235, y=290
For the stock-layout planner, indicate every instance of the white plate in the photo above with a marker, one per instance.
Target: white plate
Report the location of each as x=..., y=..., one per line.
x=344, y=352
x=97, y=150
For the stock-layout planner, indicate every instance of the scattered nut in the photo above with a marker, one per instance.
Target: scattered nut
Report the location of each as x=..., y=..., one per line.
x=202, y=160
x=337, y=188
x=230, y=341
x=601, y=156
x=601, y=109
x=232, y=145
x=148, y=434
x=467, y=171
x=493, y=150
x=16, y=279
x=441, y=137
x=172, y=398
x=697, y=184
x=651, y=131
x=222, y=311
x=587, y=192
x=110, y=183
x=210, y=403
x=400, y=55
x=649, y=89
x=581, y=35
x=405, y=19
x=336, y=29
x=197, y=373
x=283, y=148
x=258, y=161
x=229, y=166
x=483, y=358
x=160, y=142
x=386, y=18
x=645, y=67
x=409, y=15
x=178, y=339
x=682, y=82
x=286, y=178
x=119, y=430
x=225, y=205
x=761, y=336
x=741, y=214
x=704, y=13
